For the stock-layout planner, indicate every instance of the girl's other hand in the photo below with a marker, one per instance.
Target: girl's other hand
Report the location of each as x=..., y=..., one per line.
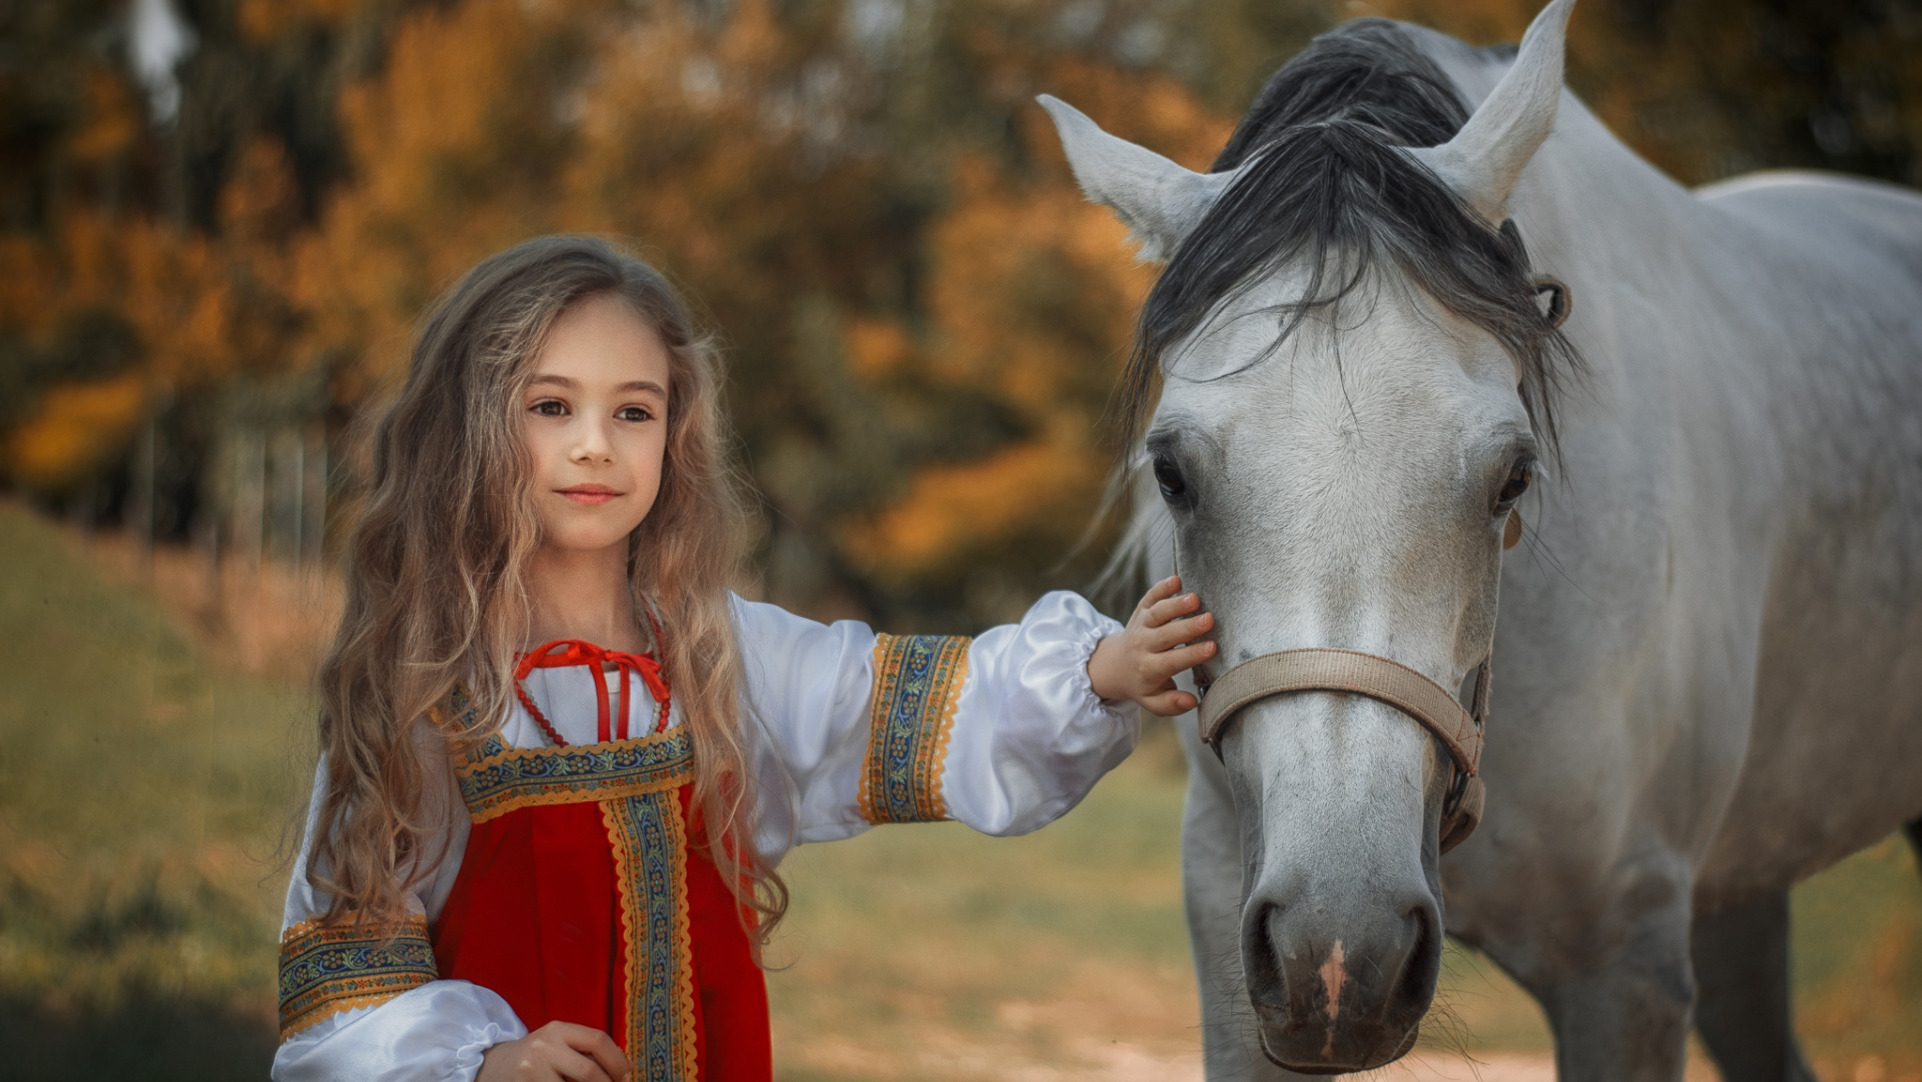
x=1140, y=661
x=556, y=1051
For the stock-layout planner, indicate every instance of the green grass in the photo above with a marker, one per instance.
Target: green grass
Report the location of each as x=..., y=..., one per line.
x=151, y=790
x=915, y=936
x=148, y=792
x=1858, y=958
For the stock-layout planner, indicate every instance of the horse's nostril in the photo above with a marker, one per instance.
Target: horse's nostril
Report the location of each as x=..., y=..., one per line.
x=1259, y=963
x=1421, y=966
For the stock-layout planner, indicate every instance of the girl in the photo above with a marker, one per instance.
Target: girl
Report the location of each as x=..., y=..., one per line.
x=560, y=761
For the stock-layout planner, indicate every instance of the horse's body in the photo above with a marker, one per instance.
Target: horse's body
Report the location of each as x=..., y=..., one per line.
x=1708, y=663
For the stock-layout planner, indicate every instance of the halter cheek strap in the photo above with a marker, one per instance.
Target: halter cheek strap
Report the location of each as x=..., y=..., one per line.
x=1353, y=672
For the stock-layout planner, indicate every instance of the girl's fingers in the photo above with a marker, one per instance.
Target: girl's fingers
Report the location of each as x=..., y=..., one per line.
x=1169, y=704
x=1168, y=609
x=1164, y=665
x=604, y=1052
x=576, y=1067
x=597, y=1050
x=1176, y=632
x=607, y=1055
x=1160, y=591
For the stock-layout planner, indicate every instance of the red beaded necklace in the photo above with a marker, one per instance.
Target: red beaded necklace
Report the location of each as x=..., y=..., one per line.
x=563, y=653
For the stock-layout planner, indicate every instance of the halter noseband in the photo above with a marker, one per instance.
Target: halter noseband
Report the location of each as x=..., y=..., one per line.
x=1356, y=673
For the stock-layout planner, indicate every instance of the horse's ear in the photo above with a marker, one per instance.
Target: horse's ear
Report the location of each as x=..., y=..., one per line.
x=1485, y=159
x=1159, y=201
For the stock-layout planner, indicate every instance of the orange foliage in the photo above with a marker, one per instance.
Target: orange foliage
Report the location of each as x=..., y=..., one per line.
x=877, y=348
x=872, y=272
x=113, y=119
x=949, y=512
x=1033, y=298
x=451, y=146
x=265, y=20
x=76, y=428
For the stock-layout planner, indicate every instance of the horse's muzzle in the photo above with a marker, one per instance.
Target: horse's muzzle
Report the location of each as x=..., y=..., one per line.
x=1336, y=990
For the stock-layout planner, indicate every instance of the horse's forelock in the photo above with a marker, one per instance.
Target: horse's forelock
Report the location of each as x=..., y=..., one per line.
x=1324, y=182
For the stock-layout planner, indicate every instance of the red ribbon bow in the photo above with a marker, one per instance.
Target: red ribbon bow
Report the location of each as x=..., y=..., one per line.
x=562, y=653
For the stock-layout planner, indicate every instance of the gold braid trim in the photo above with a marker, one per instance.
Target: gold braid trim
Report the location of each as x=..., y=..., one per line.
x=330, y=967
x=917, y=685
x=649, y=840
x=500, y=779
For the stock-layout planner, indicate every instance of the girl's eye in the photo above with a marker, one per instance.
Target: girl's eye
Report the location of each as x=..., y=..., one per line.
x=548, y=407
x=1519, y=476
x=635, y=413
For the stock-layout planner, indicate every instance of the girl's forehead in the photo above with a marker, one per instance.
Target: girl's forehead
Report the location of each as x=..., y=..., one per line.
x=602, y=342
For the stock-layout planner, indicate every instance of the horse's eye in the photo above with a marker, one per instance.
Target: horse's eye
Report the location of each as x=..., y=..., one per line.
x=1168, y=477
x=1519, y=476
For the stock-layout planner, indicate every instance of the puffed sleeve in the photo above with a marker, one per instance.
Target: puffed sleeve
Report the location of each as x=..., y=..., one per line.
x=363, y=1000
x=1002, y=731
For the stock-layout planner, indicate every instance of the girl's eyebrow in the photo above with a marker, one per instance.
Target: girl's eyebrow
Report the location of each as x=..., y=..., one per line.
x=565, y=383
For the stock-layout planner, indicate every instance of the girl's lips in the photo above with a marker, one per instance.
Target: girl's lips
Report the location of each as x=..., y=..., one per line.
x=589, y=495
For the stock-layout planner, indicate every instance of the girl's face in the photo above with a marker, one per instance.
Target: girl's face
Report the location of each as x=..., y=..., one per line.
x=594, y=417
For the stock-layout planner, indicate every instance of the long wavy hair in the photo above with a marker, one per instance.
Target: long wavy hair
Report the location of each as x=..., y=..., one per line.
x=436, y=594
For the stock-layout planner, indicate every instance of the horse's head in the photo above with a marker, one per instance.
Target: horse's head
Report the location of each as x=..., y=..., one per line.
x=1354, y=376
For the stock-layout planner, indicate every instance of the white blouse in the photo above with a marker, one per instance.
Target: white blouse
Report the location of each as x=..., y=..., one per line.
x=1027, y=740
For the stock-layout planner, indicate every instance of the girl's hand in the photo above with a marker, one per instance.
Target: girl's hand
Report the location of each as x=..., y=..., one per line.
x=1140, y=661
x=557, y=1050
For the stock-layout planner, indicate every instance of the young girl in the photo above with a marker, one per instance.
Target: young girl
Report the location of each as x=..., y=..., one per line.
x=560, y=761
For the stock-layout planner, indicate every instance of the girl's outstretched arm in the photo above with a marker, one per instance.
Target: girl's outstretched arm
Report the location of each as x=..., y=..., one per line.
x=1004, y=731
x=1162, y=639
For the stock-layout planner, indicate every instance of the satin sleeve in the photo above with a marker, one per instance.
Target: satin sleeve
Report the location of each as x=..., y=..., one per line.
x=364, y=1001
x=1002, y=731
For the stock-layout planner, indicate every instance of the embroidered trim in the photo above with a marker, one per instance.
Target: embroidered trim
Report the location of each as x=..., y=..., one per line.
x=917, y=682
x=327, y=968
x=501, y=779
x=649, y=840
x=459, y=713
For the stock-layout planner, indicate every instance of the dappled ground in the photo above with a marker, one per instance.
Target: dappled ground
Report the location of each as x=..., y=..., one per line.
x=155, y=751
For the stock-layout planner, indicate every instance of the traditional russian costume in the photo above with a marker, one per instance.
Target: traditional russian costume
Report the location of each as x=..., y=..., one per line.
x=570, y=891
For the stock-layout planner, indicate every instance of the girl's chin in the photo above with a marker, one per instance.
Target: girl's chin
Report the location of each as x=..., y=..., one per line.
x=581, y=539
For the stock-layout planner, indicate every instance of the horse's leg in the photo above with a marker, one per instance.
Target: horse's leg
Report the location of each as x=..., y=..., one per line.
x=1211, y=887
x=1742, y=998
x=1606, y=955
x=1914, y=831
x=1628, y=1018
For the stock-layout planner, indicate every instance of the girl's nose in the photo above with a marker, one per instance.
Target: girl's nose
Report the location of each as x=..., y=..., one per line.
x=591, y=444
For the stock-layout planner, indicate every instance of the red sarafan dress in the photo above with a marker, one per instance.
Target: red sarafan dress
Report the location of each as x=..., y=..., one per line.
x=580, y=898
x=572, y=882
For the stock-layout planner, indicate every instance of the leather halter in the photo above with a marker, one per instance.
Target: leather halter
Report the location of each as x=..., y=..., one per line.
x=1353, y=672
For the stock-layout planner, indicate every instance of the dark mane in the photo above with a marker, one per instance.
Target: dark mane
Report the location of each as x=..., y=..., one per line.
x=1325, y=183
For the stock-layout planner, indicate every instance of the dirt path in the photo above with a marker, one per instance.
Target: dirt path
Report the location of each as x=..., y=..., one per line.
x=1119, y=1062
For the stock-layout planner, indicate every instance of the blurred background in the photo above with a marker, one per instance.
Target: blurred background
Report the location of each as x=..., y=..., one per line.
x=219, y=218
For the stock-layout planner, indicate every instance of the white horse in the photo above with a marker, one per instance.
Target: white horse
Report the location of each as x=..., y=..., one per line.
x=1709, y=658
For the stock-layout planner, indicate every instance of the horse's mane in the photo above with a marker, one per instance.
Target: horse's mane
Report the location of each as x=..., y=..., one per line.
x=1325, y=184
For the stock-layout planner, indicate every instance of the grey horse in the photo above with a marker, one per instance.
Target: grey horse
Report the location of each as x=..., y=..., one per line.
x=1353, y=381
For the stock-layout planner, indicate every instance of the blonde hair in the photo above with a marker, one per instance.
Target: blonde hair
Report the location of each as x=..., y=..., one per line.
x=436, y=594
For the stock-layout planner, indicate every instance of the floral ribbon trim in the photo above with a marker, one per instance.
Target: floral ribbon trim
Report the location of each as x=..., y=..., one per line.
x=650, y=856
x=458, y=713
x=327, y=968
x=917, y=681
x=501, y=779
